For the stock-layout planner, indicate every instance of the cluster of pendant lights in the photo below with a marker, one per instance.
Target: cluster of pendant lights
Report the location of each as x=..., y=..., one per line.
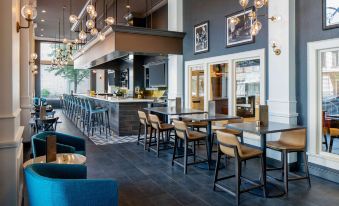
x=257, y=25
x=90, y=24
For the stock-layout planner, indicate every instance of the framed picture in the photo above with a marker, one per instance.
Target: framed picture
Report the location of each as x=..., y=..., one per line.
x=330, y=14
x=201, y=37
x=240, y=33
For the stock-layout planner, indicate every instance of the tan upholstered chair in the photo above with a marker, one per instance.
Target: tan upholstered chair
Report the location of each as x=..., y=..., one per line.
x=183, y=133
x=229, y=145
x=334, y=134
x=159, y=128
x=290, y=141
x=143, y=119
x=233, y=131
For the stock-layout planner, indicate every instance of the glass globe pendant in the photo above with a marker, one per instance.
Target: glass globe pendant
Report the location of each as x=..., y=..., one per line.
x=82, y=35
x=110, y=21
x=93, y=14
x=259, y=3
x=234, y=21
x=73, y=19
x=28, y=12
x=101, y=36
x=90, y=24
x=243, y=3
x=94, y=32
x=256, y=27
x=90, y=8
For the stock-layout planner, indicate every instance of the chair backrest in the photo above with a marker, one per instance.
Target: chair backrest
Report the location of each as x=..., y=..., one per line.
x=181, y=129
x=234, y=121
x=334, y=132
x=154, y=121
x=227, y=142
x=143, y=117
x=49, y=124
x=294, y=137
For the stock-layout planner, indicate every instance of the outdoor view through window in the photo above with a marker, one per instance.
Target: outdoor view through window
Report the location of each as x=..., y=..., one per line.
x=58, y=81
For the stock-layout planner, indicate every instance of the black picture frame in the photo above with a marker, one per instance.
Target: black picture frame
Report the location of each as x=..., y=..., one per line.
x=325, y=17
x=206, y=39
x=240, y=14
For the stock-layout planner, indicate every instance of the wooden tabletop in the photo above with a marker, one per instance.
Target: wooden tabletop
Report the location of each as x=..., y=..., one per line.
x=272, y=127
x=62, y=158
x=174, y=110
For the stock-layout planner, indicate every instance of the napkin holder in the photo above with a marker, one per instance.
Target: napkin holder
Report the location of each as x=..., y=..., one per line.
x=261, y=115
x=212, y=108
x=51, y=148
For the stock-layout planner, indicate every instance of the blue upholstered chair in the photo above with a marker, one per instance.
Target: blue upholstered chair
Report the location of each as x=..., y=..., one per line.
x=65, y=144
x=66, y=185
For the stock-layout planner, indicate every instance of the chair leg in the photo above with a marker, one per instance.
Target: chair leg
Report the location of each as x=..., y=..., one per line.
x=194, y=152
x=238, y=179
x=150, y=139
x=139, y=134
x=331, y=145
x=145, y=138
x=158, y=142
x=185, y=157
x=306, y=169
x=216, y=171
x=174, y=148
x=262, y=174
x=285, y=171
x=207, y=149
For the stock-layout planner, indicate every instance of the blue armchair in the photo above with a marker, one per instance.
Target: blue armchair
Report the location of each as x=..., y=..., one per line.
x=66, y=185
x=65, y=144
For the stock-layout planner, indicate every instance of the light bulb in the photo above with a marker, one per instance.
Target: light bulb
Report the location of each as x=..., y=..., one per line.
x=35, y=67
x=93, y=14
x=90, y=24
x=35, y=72
x=76, y=41
x=243, y=3
x=90, y=8
x=110, y=21
x=73, y=19
x=259, y=3
x=252, y=16
x=34, y=56
x=65, y=41
x=101, y=36
x=82, y=35
x=234, y=21
x=94, y=31
x=257, y=24
x=29, y=12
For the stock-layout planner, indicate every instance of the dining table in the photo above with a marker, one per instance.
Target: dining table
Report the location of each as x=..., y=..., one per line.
x=272, y=190
x=209, y=118
x=170, y=111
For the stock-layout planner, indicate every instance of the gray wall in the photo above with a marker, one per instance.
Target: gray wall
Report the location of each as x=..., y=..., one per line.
x=197, y=11
x=309, y=28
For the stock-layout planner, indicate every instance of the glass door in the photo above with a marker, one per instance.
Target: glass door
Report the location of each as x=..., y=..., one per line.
x=219, y=87
x=329, y=88
x=197, y=87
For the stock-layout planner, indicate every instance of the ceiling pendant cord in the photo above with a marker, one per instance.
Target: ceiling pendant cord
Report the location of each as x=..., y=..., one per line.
x=116, y=12
x=151, y=14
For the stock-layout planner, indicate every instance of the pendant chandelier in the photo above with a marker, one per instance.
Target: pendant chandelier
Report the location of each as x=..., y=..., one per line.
x=256, y=25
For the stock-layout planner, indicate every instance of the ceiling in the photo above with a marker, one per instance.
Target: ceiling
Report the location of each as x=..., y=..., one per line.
x=48, y=21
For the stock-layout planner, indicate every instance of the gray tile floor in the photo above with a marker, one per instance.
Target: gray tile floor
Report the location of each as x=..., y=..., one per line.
x=146, y=180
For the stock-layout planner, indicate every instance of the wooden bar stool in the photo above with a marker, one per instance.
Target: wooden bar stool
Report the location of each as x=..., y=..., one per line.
x=159, y=128
x=182, y=132
x=291, y=141
x=228, y=144
x=143, y=119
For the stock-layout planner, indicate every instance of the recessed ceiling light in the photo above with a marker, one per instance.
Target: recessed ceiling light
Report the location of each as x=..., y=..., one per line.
x=42, y=20
x=41, y=35
x=43, y=11
x=42, y=29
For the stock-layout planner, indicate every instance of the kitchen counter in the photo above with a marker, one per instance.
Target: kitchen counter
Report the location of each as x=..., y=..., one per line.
x=123, y=112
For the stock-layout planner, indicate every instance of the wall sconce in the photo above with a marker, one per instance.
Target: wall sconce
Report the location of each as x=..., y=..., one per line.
x=34, y=56
x=276, y=48
x=275, y=18
x=29, y=13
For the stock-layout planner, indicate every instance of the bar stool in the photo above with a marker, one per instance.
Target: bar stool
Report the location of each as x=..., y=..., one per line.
x=229, y=145
x=291, y=141
x=182, y=132
x=96, y=118
x=159, y=128
x=143, y=119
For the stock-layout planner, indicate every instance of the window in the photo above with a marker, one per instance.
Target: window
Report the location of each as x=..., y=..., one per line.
x=58, y=81
x=247, y=87
x=219, y=86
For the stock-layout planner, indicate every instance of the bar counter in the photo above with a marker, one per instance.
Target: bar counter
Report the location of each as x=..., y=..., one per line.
x=124, y=120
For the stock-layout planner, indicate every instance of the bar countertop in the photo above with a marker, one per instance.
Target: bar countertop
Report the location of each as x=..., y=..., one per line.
x=116, y=99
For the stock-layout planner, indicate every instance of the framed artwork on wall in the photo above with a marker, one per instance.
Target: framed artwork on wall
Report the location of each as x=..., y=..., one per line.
x=201, y=37
x=238, y=28
x=330, y=14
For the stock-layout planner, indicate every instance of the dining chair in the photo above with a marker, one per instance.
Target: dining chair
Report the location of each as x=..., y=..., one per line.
x=46, y=124
x=290, y=141
x=228, y=144
x=188, y=136
x=143, y=124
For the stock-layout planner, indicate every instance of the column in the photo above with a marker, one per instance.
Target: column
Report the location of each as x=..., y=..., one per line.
x=282, y=98
x=10, y=129
x=175, y=62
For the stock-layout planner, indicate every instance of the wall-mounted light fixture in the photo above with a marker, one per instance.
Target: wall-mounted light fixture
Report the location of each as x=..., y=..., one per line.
x=34, y=56
x=28, y=12
x=276, y=48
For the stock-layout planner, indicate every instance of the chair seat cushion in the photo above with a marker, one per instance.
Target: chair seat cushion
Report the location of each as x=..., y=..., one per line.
x=278, y=145
x=230, y=131
x=165, y=126
x=197, y=124
x=249, y=152
x=194, y=135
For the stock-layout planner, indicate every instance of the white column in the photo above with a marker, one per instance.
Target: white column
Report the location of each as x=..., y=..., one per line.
x=10, y=129
x=175, y=62
x=282, y=98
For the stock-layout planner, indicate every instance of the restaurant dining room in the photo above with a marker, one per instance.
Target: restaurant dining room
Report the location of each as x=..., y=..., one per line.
x=169, y=102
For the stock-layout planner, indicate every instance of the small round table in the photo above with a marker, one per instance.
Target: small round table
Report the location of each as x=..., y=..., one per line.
x=62, y=158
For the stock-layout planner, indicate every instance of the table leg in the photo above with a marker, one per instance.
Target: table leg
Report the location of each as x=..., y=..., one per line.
x=263, y=147
x=209, y=143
